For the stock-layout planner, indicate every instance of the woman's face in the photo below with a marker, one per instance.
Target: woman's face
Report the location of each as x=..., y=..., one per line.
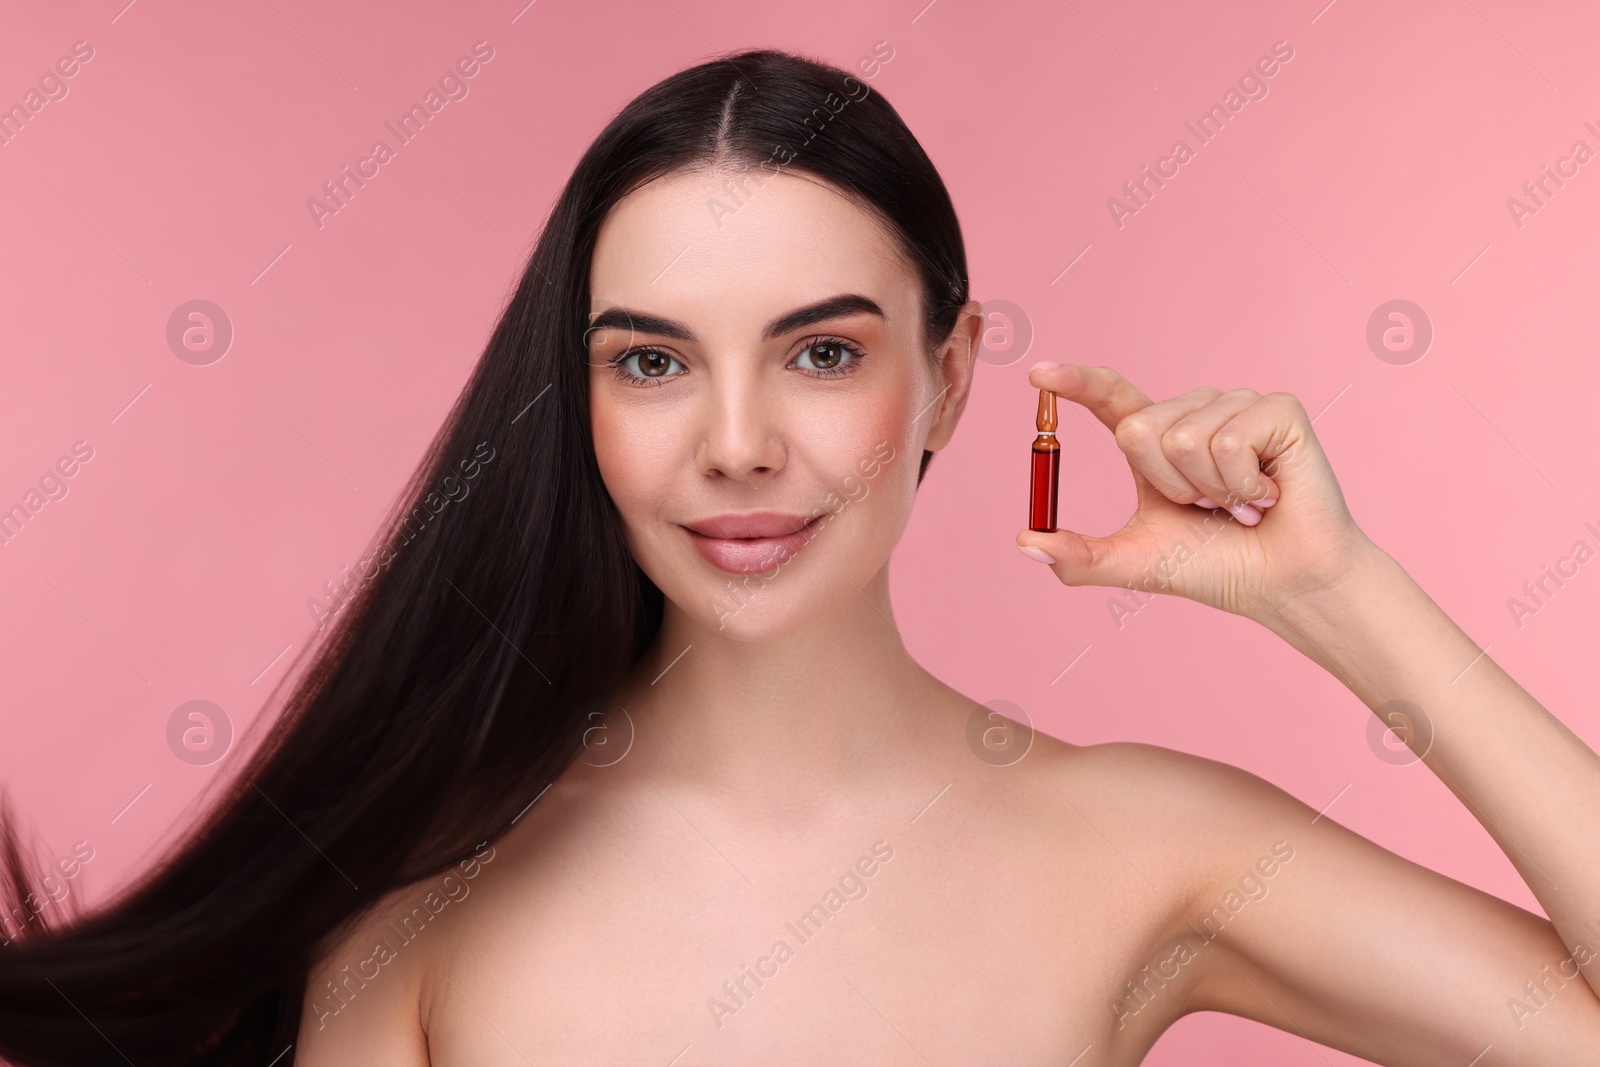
x=761, y=364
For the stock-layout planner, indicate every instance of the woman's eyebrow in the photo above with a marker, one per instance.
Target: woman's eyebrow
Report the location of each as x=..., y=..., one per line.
x=620, y=318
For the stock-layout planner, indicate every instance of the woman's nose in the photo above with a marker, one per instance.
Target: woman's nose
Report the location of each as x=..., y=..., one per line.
x=741, y=429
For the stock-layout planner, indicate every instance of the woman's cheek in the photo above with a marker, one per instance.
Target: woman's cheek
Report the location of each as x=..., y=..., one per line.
x=640, y=455
x=617, y=457
x=888, y=465
x=868, y=476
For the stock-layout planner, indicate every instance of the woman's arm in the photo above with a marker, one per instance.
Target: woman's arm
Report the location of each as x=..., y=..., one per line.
x=1359, y=948
x=363, y=1002
x=1531, y=782
x=1295, y=921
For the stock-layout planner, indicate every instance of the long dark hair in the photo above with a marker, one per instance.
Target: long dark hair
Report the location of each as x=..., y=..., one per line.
x=452, y=687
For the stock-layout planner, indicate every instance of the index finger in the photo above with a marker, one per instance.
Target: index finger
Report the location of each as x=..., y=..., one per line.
x=1108, y=395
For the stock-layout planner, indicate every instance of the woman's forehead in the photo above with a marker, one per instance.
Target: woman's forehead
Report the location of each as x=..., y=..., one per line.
x=699, y=242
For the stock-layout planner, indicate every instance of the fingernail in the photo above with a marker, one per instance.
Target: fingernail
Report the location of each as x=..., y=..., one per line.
x=1045, y=364
x=1246, y=514
x=1036, y=553
x=1206, y=502
x=1265, y=502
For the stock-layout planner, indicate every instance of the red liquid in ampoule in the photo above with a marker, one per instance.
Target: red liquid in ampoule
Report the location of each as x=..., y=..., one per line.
x=1046, y=469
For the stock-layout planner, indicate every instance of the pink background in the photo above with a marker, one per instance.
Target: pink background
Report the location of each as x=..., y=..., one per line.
x=220, y=498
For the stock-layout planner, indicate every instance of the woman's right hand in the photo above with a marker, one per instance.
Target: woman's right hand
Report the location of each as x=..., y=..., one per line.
x=1278, y=528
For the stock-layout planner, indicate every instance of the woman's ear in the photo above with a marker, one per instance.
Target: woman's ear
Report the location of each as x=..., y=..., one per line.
x=957, y=357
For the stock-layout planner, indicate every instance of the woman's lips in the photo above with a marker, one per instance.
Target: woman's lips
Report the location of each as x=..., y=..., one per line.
x=751, y=554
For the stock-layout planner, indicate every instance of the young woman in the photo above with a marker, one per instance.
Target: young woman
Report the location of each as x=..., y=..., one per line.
x=623, y=759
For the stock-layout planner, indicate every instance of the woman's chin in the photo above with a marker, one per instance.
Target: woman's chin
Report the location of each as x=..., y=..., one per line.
x=753, y=607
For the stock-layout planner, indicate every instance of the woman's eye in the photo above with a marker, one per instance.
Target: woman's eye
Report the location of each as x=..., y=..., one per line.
x=829, y=356
x=644, y=365
x=823, y=358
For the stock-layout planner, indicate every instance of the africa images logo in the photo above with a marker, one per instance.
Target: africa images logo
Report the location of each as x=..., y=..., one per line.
x=1252, y=85
x=452, y=86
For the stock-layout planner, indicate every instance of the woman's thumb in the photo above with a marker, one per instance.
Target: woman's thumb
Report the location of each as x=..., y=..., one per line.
x=1076, y=559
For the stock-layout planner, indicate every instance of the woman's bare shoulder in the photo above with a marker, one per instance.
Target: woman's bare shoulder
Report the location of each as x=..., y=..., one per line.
x=1182, y=813
x=365, y=997
x=1140, y=772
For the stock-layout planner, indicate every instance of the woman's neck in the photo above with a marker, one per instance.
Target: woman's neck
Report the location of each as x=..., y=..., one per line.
x=823, y=707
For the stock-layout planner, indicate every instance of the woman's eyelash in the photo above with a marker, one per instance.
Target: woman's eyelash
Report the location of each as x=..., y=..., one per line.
x=856, y=355
x=625, y=375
